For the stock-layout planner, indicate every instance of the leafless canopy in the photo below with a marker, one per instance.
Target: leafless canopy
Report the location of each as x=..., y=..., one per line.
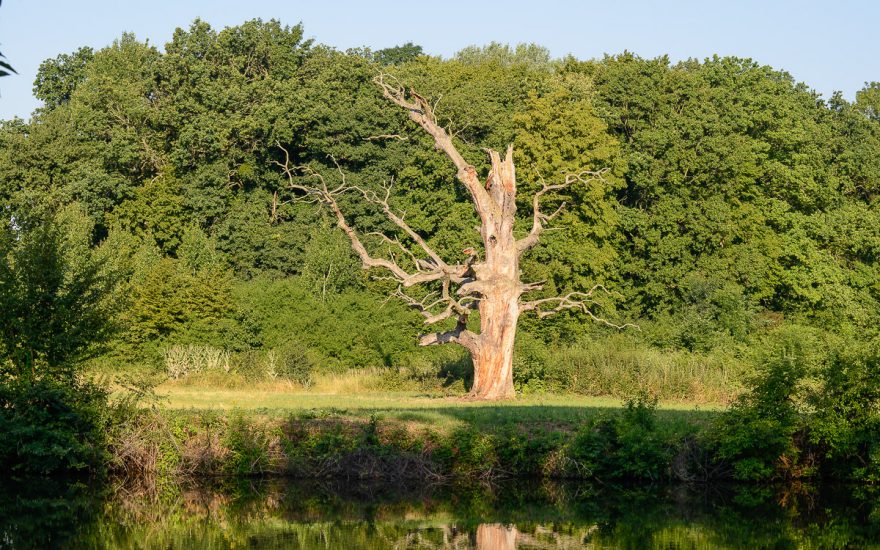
x=458, y=288
x=407, y=269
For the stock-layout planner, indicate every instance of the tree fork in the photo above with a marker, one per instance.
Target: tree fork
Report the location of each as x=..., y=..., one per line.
x=492, y=285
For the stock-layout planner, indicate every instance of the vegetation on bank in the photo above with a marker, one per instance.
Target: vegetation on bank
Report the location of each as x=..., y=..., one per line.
x=806, y=416
x=148, y=233
x=453, y=442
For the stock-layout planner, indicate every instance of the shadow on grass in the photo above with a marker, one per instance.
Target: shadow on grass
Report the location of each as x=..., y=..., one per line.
x=454, y=372
x=493, y=416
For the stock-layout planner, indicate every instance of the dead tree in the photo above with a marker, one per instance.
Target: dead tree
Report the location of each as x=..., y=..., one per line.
x=490, y=284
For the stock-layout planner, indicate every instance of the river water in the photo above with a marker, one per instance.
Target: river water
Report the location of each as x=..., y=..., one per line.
x=353, y=515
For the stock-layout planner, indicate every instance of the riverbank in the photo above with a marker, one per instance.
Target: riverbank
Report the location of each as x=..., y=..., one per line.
x=799, y=421
x=401, y=436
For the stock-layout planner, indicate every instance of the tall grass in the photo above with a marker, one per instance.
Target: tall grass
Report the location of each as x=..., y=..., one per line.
x=205, y=364
x=617, y=367
x=181, y=361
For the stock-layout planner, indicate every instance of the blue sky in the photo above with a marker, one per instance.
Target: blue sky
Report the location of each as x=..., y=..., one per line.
x=830, y=46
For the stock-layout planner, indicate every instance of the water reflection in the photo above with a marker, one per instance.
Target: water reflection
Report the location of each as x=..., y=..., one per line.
x=290, y=514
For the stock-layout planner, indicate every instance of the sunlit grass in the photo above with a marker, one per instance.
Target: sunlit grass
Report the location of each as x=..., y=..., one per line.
x=181, y=397
x=415, y=410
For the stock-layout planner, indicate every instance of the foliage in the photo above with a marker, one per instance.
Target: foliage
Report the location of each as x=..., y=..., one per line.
x=397, y=54
x=868, y=100
x=54, y=294
x=339, y=328
x=5, y=68
x=845, y=423
x=812, y=411
x=50, y=426
x=626, y=446
x=736, y=204
x=58, y=78
x=530, y=55
x=57, y=304
x=174, y=302
x=249, y=448
x=757, y=434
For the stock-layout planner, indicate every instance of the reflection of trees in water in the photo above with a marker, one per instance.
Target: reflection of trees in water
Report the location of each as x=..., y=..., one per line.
x=46, y=513
x=528, y=516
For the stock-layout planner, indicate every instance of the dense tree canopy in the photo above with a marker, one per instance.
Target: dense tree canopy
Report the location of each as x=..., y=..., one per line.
x=736, y=199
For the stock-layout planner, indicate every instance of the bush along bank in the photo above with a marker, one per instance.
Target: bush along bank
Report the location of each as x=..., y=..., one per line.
x=811, y=413
x=764, y=437
x=635, y=444
x=631, y=444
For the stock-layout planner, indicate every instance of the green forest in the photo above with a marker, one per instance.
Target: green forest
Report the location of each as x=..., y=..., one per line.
x=151, y=234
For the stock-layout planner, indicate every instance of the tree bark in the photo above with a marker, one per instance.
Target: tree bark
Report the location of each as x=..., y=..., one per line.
x=493, y=358
x=498, y=284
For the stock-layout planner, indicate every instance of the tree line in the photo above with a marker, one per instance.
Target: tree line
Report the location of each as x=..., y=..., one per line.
x=734, y=201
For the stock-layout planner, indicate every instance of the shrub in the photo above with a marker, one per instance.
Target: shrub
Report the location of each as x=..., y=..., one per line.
x=845, y=425
x=527, y=453
x=530, y=365
x=55, y=293
x=292, y=361
x=49, y=426
x=625, y=446
x=642, y=452
x=181, y=361
x=756, y=436
x=473, y=454
x=252, y=448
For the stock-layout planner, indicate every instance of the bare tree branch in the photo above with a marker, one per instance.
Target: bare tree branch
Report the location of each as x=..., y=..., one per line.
x=544, y=307
x=422, y=113
x=459, y=335
x=539, y=219
x=399, y=222
x=322, y=193
x=396, y=243
x=461, y=307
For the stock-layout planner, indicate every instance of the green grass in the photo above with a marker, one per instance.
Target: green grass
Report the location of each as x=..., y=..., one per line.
x=182, y=397
x=417, y=409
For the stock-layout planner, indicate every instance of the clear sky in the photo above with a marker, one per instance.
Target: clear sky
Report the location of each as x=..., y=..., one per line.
x=829, y=45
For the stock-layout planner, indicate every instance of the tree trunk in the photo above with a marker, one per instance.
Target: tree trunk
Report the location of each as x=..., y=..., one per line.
x=493, y=358
x=498, y=281
x=499, y=313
